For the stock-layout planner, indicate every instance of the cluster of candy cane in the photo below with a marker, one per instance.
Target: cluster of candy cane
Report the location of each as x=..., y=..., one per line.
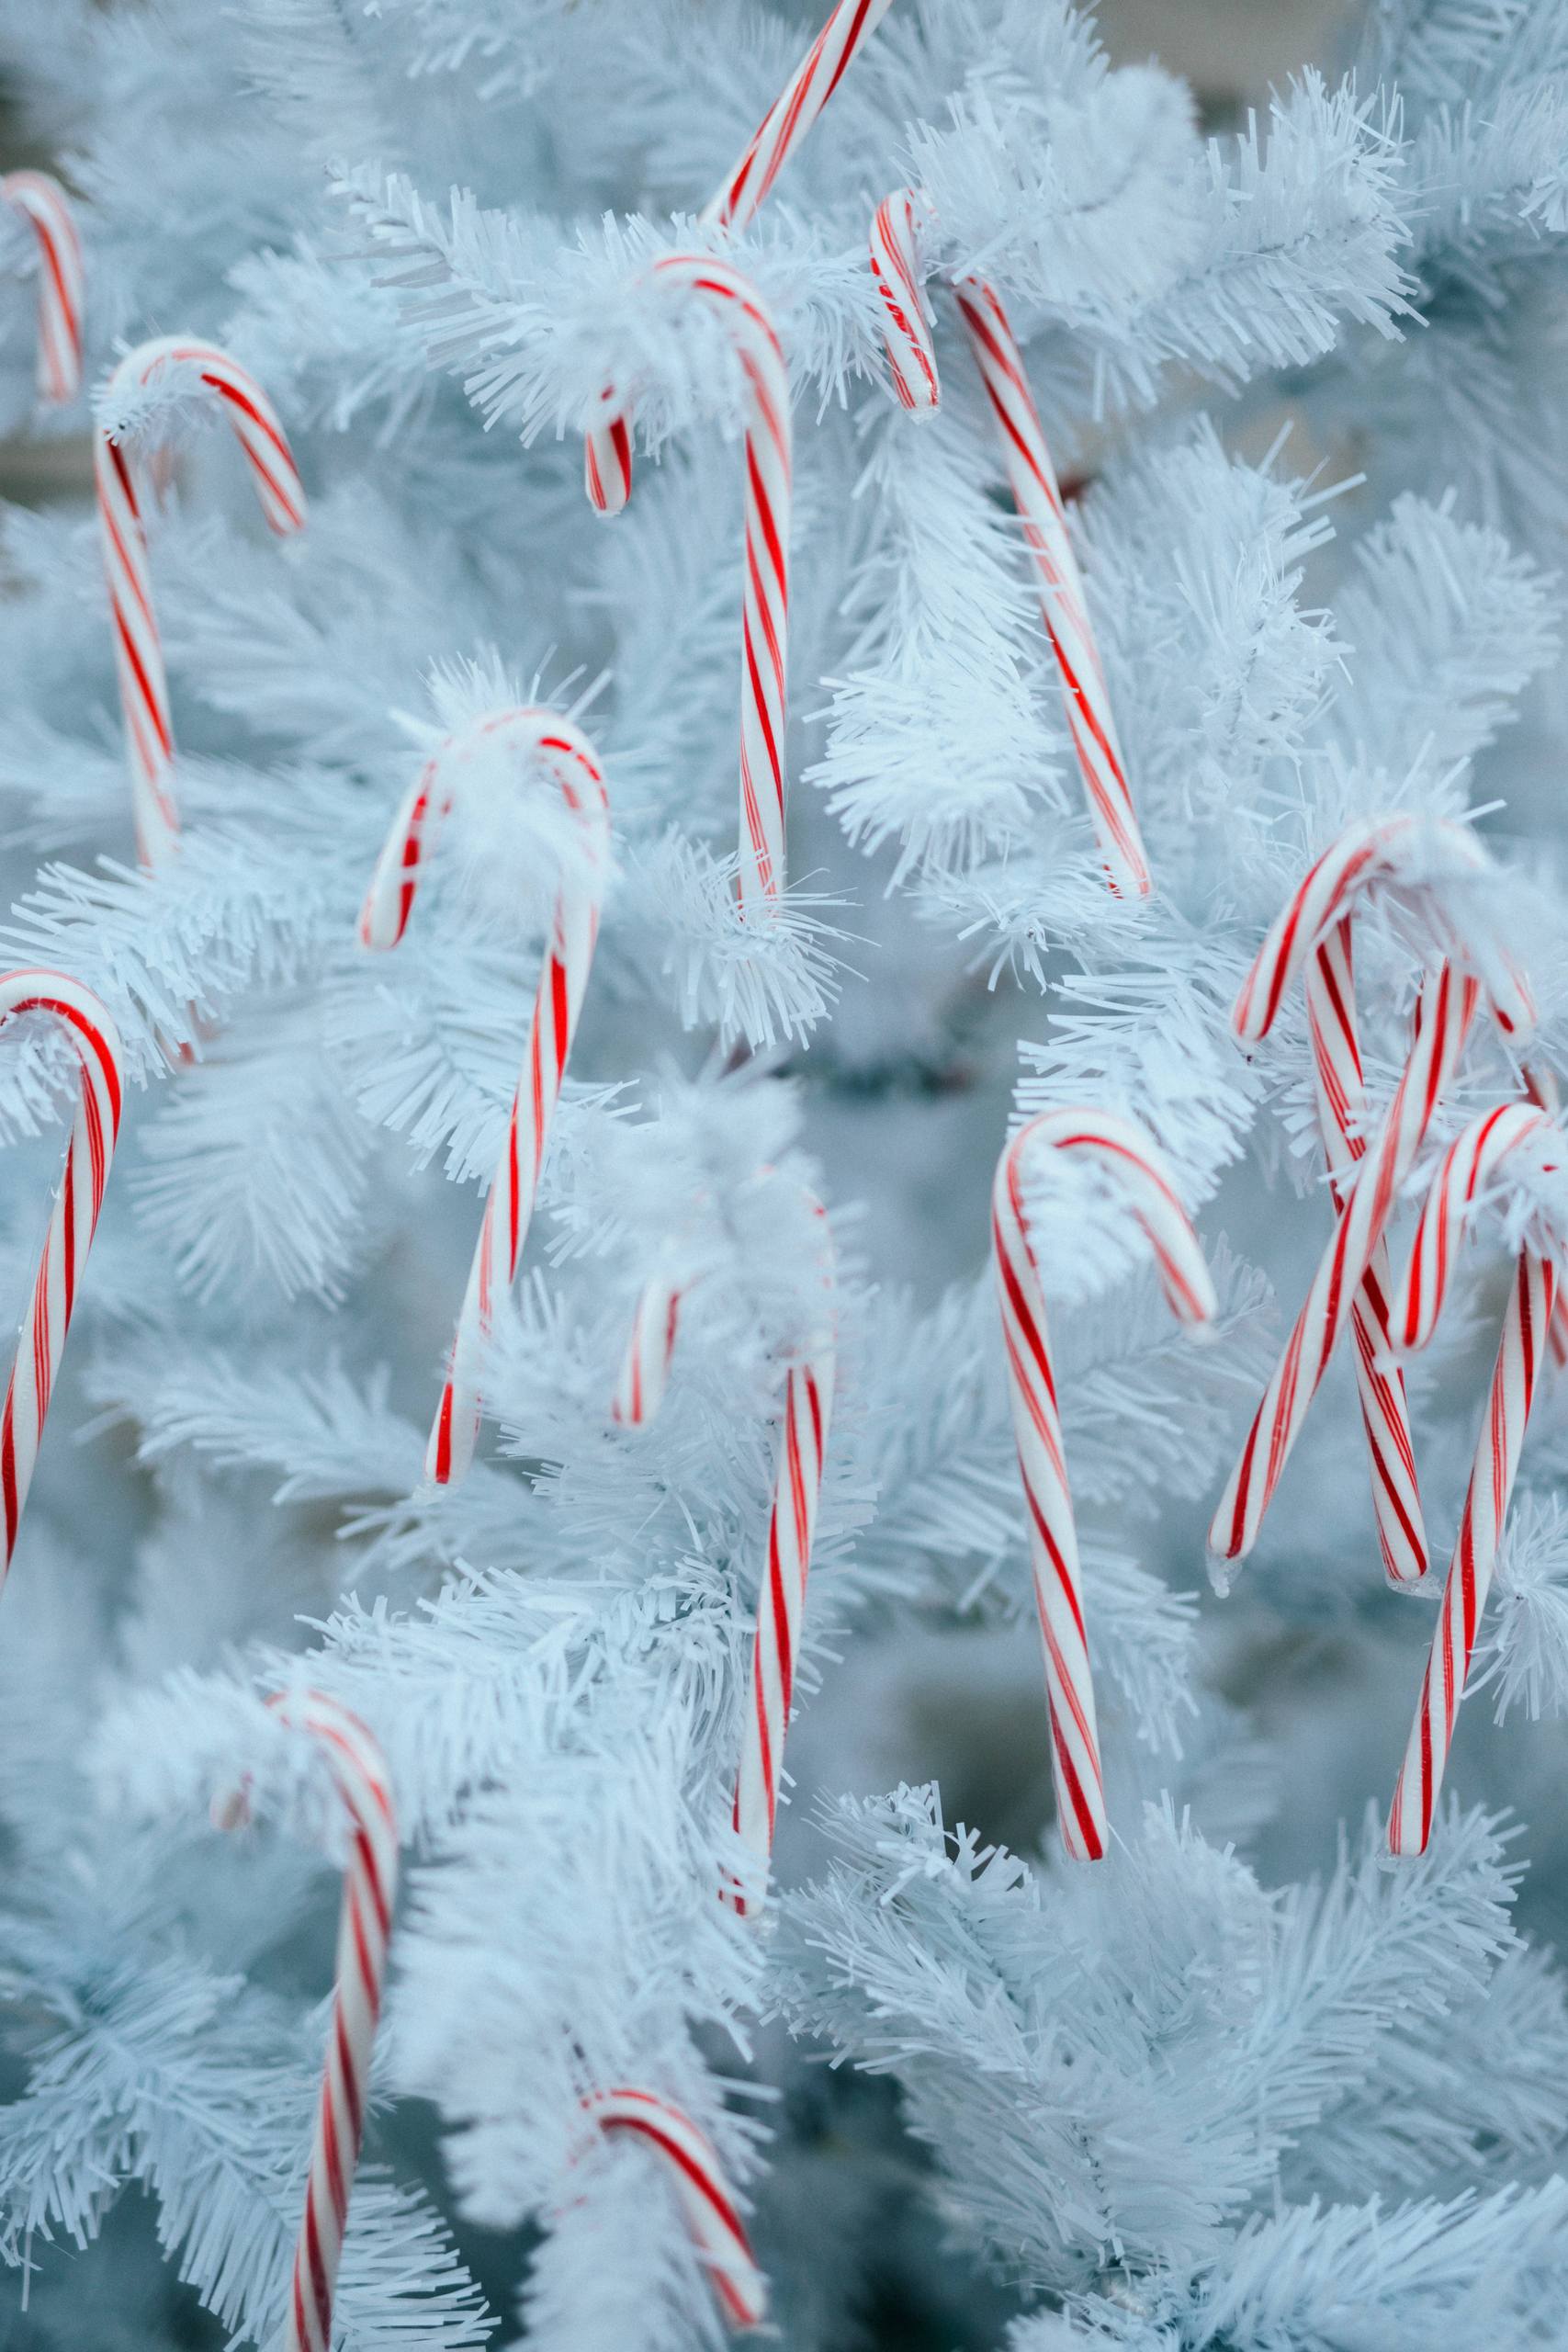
x=1132, y=1161
x=765, y=597
x=792, y=1521
x=139, y=651
x=707, y=2202
x=73, y=1220
x=1385, y=853
x=544, y=744
x=898, y=263
x=363, y=1786
x=1469, y=1166
x=44, y=204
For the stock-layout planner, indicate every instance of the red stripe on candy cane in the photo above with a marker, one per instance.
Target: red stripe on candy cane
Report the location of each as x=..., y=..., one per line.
x=138, y=652
x=707, y=2204
x=46, y=207
x=1476, y=1162
x=1135, y=1166
x=41, y=1343
x=550, y=747
x=769, y=462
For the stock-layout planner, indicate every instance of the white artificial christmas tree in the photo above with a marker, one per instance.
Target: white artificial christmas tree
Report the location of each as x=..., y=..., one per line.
x=1247, y=2084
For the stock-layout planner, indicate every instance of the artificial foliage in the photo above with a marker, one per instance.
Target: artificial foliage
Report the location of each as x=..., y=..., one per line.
x=1246, y=2085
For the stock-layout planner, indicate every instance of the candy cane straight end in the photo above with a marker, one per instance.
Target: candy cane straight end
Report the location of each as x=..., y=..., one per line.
x=1130, y=1159
x=40, y=1342
x=46, y=209
x=706, y=2201
x=897, y=266
x=792, y=113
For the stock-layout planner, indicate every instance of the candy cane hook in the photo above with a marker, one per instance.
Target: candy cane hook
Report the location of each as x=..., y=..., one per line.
x=1365, y=854
x=1131, y=1160
x=765, y=593
x=360, y=1775
x=897, y=260
x=707, y=2202
x=552, y=747
x=780, y=1603
x=793, y=112
x=1469, y=1166
x=45, y=207
x=73, y=1221
x=139, y=651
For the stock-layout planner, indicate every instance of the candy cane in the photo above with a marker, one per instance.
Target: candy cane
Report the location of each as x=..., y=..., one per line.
x=792, y=113
x=1542, y=1087
x=139, y=651
x=781, y=1606
x=707, y=2202
x=1475, y=1161
x=765, y=598
x=897, y=262
x=649, y=1351
x=1363, y=856
x=44, y=205
x=360, y=1777
x=1129, y=1156
x=73, y=1221
x=1341, y=1106
x=547, y=744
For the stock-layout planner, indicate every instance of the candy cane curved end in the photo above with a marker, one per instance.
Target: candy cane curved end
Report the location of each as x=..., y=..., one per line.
x=769, y=459
x=1470, y=1165
x=46, y=209
x=138, y=642
x=707, y=2202
x=898, y=263
x=40, y=1342
x=1132, y=1161
x=792, y=113
x=559, y=749
x=359, y=1774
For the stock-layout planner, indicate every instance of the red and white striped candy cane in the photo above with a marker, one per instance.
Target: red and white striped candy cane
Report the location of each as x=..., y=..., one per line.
x=139, y=651
x=1469, y=1166
x=765, y=594
x=1365, y=853
x=898, y=263
x=369, y=1888
x=792, y=113
x=651, y=1348
x=781, y=1604
x=73, y=1220
x=1341, y=1106
x=548, y=745
x=1132, y=1161
x=46, y=209
x=706, y=2201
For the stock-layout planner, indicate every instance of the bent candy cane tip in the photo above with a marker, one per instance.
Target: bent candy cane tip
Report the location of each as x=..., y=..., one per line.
x=706, y=2201
x=38, y=197
x=73, y=1218
x=1476, y=1160
x=1130, y=1159
x=548, y=745
x=139, y=650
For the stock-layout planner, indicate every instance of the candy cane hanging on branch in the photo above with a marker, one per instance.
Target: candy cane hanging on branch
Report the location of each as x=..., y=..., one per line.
x=73, y=1220
x=363, y=1786
x=1473, y=1165
x=546, y=747
x=793, y=112
x=898, y=263
x=1392, y=853
x=174, y=364
x=44, y=205
x=764, y=628
x=706, y=2201
x=1129, y=1160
